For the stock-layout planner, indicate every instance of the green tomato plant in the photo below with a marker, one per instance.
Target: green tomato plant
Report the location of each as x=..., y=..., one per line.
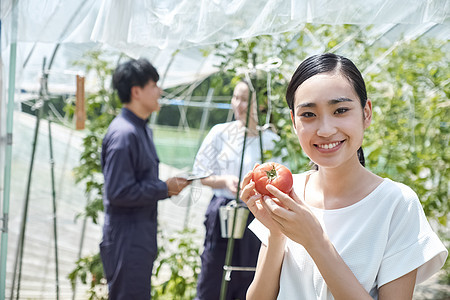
x=410, y=133
x=179, y=262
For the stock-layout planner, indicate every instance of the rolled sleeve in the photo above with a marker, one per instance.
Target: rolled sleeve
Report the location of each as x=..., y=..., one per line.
x=427, y=256
x=412, y=244
x=261, y=231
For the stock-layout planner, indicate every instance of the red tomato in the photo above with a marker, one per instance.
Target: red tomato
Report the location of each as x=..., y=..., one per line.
x=275, y=174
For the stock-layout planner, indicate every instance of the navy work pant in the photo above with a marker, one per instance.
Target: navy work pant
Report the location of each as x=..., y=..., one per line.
x=128, y=250
x=245, y=254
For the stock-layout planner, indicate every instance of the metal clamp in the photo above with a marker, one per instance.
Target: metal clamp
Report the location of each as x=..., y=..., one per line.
x=228, y=270
x=9, y=138
x=5, y=223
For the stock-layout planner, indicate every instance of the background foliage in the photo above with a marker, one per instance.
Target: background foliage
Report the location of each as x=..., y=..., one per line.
x=409, y=139
x=179, y=257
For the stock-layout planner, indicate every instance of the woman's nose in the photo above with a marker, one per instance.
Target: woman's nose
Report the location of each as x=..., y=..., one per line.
x=326, y=127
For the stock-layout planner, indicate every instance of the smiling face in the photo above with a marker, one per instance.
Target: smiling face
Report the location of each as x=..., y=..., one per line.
x=329, y=120
x=239, y=102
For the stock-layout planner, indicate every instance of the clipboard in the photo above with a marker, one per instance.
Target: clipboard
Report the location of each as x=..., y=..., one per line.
x=192, y=176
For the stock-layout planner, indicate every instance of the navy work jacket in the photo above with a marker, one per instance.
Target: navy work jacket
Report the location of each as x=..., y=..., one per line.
x=130, y=167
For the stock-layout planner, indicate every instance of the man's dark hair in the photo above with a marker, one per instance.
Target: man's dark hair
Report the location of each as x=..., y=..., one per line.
x=133, y=73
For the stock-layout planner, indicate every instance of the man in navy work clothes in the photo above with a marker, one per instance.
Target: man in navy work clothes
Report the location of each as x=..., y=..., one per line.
x=132, y=187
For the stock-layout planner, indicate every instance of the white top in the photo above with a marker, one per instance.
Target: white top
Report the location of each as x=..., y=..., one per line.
x=381, y=238
x=221, y=151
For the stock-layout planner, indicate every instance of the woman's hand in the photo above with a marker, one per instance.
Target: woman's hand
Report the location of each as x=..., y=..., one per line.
x=256, y=204
x=294, y=218
x=231, y=183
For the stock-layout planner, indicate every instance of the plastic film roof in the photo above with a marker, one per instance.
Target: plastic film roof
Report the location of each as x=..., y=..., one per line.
x=179, y=24
x=157, y=28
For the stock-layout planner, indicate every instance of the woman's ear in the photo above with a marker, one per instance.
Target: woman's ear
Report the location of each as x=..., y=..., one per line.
x=367, y=114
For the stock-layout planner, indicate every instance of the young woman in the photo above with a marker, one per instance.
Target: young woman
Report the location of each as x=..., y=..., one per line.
x=344, y=232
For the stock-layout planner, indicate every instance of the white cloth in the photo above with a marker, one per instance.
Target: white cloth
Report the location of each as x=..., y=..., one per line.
x=221, y=151
x=381, y=238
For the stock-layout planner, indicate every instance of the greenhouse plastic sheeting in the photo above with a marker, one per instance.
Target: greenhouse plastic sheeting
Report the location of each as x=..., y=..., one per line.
x=157, y=29
x=179, y=24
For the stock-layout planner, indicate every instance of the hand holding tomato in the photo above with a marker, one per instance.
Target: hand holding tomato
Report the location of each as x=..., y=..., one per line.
x=296, y=220
x=275, y=174
x=256, y=204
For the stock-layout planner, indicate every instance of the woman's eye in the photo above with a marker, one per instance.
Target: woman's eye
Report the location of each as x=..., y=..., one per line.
x=341, y=110
x=307, y=114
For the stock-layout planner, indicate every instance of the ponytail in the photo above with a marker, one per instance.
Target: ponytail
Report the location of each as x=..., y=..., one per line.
x=361, y=158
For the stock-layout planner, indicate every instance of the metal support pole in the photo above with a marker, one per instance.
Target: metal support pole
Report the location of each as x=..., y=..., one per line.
x=227, y=269
x=204, y=121
x=8, y=150
x=261, y=128
x=205, y=115
x=80, y=249
x=154, y=115
x=55, y=232
x=230, y=245
x=38, y=107
x=254, y=89
x=21, y=241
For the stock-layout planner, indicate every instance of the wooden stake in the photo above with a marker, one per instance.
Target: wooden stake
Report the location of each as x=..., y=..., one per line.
x=80, y=111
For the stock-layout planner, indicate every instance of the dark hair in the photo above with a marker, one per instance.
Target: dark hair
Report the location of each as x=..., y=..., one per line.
x=133, y=73
x=328, y=63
